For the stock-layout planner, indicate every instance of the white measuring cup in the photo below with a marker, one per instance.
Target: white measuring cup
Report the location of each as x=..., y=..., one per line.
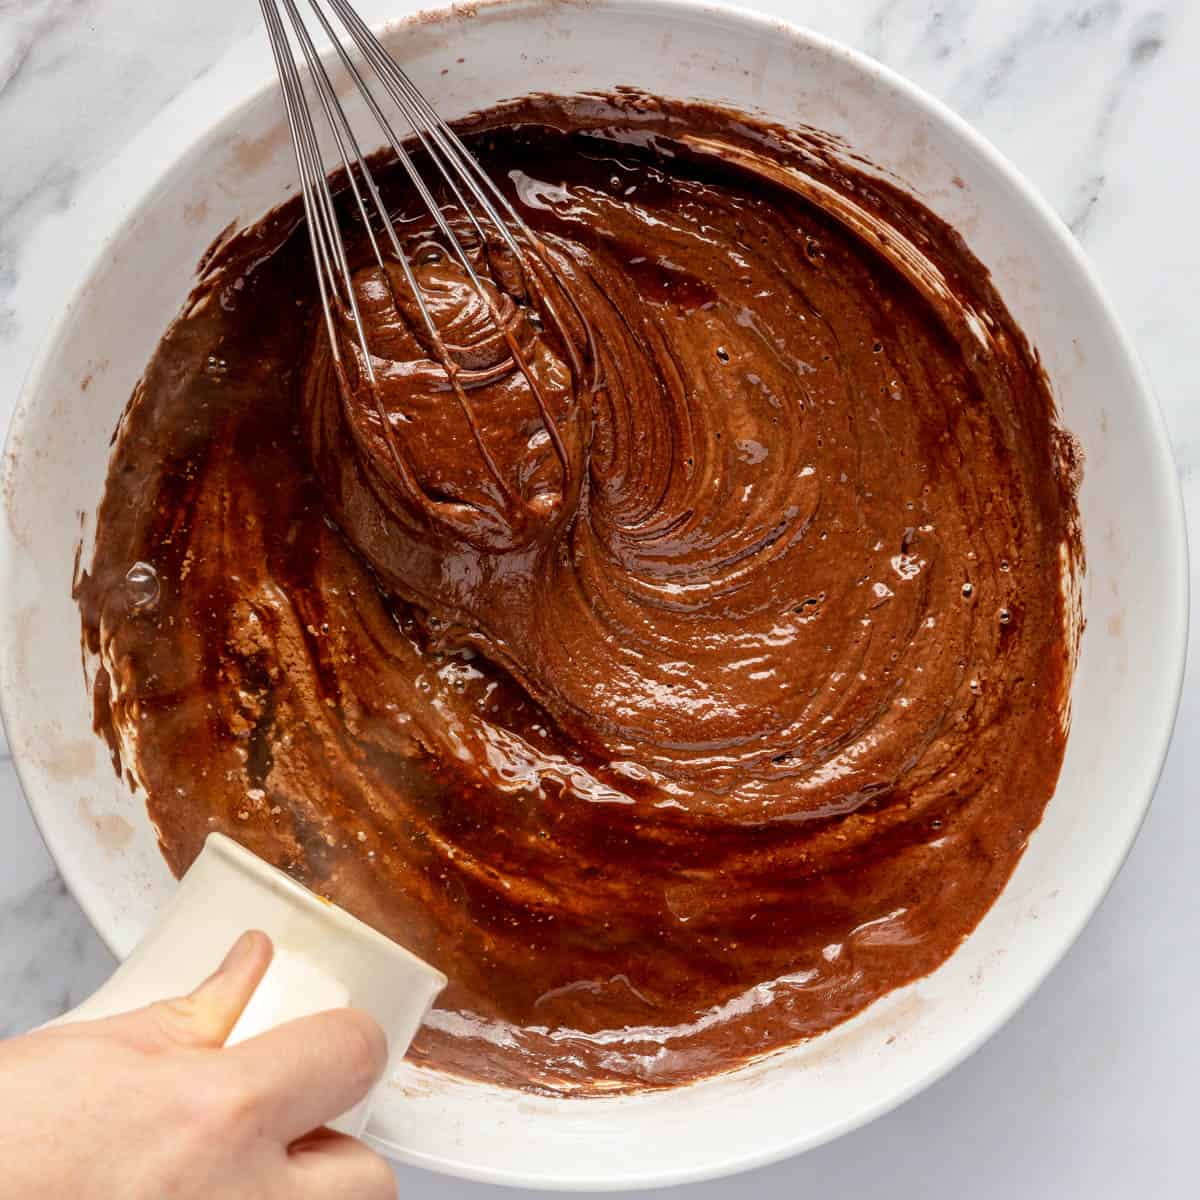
x=324, y=957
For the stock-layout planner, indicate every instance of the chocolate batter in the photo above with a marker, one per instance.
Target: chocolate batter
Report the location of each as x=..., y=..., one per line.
x=678, y=704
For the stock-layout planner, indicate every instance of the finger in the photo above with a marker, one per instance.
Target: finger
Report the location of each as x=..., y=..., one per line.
x=328, y=1164
x=309, y=1071
x=206, y=1016
x=218, y=1002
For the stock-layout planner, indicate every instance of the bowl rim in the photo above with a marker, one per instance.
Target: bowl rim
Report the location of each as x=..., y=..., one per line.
x=147, y=152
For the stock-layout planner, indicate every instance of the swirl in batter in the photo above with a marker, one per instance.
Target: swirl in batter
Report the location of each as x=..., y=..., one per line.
x=678, y=694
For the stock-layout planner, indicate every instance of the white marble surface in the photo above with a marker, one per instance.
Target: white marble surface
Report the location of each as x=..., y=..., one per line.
x=1093, y=1089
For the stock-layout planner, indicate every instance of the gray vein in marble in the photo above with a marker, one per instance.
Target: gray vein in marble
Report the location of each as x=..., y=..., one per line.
x=1039, y=38
x=48, y=193
x=934, y=31
x=1078, y=66
x=874, y=39
x=152, y=50
x=1147, y=41
x=52, y=959
x=23, y=23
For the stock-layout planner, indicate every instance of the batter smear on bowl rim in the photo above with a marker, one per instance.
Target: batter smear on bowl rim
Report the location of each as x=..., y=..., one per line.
x=673, y=744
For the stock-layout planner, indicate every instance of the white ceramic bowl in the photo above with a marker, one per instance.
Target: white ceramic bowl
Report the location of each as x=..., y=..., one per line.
x=219, y=155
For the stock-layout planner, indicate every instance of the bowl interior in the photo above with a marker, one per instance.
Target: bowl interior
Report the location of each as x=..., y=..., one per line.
x=149, y=217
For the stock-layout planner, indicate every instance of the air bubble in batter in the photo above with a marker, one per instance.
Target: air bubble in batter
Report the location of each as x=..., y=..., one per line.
x=142, y=587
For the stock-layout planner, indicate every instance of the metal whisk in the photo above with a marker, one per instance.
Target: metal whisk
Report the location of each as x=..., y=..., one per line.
x=473, y=193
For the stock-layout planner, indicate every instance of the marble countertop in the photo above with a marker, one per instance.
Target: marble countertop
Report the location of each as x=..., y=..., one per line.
x=1093, y=1088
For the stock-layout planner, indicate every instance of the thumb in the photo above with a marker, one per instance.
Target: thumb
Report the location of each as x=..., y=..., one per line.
x=206, y=1016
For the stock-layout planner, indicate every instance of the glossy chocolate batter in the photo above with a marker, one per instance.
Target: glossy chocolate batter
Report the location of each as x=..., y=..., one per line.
x=676, y=704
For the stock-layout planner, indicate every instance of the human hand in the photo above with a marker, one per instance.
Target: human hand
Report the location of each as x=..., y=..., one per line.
x=149, y=1106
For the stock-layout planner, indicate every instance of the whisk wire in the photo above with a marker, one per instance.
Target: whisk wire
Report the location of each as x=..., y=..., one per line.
x=369, y=178
x=448, y=364
x=475, y=195
x=451, y=155
x=300, y=127
x=336, y=117
x=482, y=187
x=324, y=90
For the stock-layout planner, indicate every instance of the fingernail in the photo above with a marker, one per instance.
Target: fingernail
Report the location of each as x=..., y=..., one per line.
x=244, y=950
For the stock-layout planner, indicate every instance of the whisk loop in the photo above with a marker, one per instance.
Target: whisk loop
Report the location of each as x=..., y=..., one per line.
x=386, y=89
